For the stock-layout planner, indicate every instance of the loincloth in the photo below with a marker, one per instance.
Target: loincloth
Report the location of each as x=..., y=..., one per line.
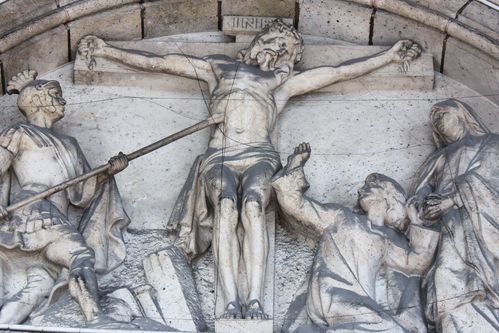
x=240, y=158
x=192, y=215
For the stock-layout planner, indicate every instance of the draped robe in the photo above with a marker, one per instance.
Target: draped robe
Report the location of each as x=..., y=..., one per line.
x=463, y=283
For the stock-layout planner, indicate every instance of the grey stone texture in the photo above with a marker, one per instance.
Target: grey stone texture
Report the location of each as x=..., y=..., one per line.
x=14, y=13
x=445, y=7
x=43, y=52
x=123, y=23
x=481, y=18
x=243, y=326
x=172, y=17
x=336, y=19
x=472, y=67
x=389, y=28
x=279, y=8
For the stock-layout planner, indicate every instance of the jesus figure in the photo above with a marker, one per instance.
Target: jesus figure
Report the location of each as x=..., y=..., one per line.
x=230, y=183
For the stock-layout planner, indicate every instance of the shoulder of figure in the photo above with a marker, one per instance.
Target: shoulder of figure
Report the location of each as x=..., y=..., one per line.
x=15, y=130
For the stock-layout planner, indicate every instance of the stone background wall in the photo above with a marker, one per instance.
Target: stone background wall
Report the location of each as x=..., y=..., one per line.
x=346, y=20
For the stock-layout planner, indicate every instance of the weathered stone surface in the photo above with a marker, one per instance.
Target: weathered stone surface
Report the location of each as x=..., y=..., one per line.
x=445, y=7
x=473, y=68
x=169, y=274
x=2, y=79
x=43, y=52
x=126, y=295
x=145, y=296
x=389, y=28
x=335, y=19
x=243, y=326
x=118, y=24
x=247, y=25
x=14, y=13
x=62, y=3
x=481, y=18
x=179, y=16
x=279, y=8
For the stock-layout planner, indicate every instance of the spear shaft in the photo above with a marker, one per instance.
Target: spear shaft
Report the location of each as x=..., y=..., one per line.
x=216, y=119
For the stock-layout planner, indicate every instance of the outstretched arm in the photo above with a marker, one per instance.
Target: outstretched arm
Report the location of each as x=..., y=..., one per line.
x=313, y=79
x=176, y=64
x=305, y=215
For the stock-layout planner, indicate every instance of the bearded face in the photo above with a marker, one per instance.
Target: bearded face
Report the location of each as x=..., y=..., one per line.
x=272, y=50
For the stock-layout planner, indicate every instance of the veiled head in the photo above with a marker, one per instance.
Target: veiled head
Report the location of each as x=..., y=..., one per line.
x=278, y=45
x=451, y=120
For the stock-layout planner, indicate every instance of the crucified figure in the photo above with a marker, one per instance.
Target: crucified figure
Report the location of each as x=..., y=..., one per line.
x=231, y=181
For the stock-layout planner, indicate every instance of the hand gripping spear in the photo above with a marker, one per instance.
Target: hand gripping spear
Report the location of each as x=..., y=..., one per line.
x=215, y=119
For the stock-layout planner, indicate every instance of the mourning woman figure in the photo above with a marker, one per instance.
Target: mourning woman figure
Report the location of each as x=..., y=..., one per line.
x=458, y=185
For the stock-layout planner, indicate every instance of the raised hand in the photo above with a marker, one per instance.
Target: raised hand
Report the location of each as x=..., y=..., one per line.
x=117, y=163
x=403, y=52
x=436, y=205
x=91, y=47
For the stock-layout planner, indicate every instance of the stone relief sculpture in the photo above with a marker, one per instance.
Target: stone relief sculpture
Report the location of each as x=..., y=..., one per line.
x=458, y=188
x=236, y=169
x=355, y=252
x=42, y=246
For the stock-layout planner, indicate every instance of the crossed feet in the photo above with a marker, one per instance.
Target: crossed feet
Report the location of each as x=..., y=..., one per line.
x=252, y=310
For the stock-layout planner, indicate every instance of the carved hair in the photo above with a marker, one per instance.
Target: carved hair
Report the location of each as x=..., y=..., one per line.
x=465, y=113
x=281, y=27
x=394, y=195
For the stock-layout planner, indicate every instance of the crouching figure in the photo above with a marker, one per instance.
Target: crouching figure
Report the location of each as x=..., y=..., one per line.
x=367, y=262
x=41, y=247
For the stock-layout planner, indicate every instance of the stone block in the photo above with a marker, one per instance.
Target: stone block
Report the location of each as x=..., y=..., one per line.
x=389, y=28
x=247, y=25
x=481, y=18
x=14, y=13
x=473, y=68
x=144, y=295
x=42, y=53
x=126, y=296
x=171, y=276
x=279, y=8
x=118, y=24
x=445, y=7
x=172, y=17
x=336, y=19
x=243, y=326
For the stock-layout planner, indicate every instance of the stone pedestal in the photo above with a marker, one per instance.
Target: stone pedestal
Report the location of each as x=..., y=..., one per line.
x=243, y=326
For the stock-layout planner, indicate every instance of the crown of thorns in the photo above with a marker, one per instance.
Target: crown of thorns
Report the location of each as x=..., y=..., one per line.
x=280, y=26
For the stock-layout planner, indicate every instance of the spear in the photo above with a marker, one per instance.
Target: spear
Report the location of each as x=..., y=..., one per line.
x=215, y=119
